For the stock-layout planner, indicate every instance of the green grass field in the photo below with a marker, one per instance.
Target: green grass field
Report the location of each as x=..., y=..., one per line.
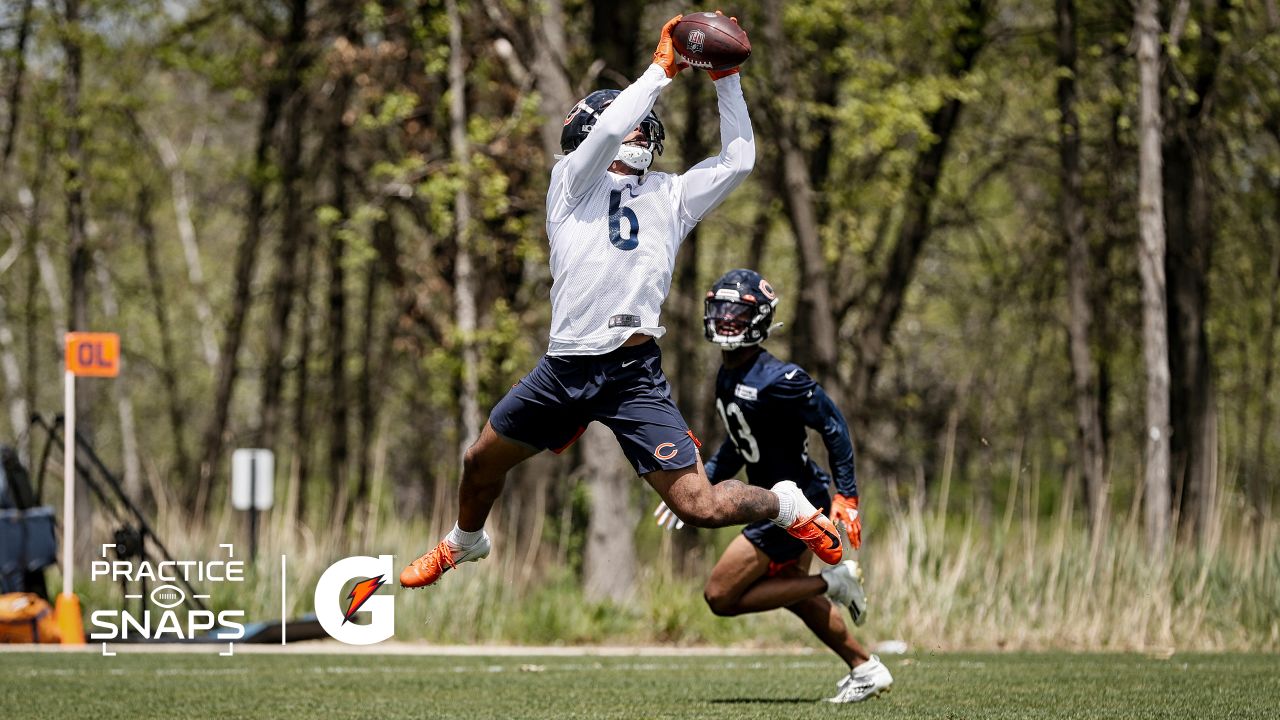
x=296, y=686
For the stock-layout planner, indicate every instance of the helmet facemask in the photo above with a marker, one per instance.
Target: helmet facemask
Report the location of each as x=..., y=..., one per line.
x=739, y=310
x=734, y=323
x=638, y=155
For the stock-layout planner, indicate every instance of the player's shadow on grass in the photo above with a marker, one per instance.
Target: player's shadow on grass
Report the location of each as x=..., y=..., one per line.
x=761, y=701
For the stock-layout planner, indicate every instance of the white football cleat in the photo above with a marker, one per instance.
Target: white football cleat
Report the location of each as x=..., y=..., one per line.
x=844, y=587
x=864, y=681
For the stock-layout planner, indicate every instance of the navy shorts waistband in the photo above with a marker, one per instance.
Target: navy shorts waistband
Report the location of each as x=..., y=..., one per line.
x=626, y=352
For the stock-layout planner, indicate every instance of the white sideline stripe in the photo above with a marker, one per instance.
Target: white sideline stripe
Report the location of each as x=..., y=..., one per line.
x=451, y=670
x=333, y=647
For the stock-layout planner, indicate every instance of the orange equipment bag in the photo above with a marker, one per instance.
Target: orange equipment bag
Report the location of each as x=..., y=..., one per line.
x=26, y=618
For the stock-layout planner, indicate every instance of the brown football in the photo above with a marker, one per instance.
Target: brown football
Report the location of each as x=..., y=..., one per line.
x=708, y=41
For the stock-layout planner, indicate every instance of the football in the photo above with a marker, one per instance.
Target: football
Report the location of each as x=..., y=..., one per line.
x=708, y=41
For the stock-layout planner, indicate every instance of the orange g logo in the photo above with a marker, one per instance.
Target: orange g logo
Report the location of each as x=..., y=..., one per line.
x=665, y=451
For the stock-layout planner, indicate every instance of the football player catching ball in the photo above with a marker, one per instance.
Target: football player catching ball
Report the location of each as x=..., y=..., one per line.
x=614, y=228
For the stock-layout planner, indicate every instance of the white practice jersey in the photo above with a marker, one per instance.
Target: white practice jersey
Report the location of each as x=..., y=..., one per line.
x=614, y=238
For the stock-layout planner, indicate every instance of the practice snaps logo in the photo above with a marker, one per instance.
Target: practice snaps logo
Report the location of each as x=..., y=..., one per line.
x=337, y=612
x=176, y=611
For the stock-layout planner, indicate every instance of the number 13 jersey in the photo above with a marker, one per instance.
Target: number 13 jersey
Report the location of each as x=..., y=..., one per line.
x=766, y=405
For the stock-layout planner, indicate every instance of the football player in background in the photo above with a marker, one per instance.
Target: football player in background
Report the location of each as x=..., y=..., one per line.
x=766, y=405
x=614, y=229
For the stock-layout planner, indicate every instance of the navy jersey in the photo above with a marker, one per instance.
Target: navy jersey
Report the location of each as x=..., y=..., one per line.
x=766, y=405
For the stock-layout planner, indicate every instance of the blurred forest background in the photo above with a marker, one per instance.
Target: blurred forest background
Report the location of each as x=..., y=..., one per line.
x=318, y=227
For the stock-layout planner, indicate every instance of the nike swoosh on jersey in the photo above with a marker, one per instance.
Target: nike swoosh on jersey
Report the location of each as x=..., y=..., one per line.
x=629, y=362
x=791, y=374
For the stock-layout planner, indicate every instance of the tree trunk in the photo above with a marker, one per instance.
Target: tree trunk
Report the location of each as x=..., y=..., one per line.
x=876, y=330
x=813, y=338
x=241, y=298
x=172, y=163
x=339, y=464
x=293, y=227
x=609, y=563
x=1188, y=187
x=169, y=362
x=465, y=311
x=18, y=409
x=74, y=165
x=1193, y=441
x=18, y=75
x=543, y=43
x=1259, y=493
x=553, y=83
x=1092, y=452
x=364, y=382
x=29, y=199
x=299, y=444
x=1151, y=264
x=129, y=452
x=53, y=291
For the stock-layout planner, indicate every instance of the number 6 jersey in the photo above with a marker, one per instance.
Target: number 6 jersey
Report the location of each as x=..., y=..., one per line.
x=766, y=404
x=614, y=237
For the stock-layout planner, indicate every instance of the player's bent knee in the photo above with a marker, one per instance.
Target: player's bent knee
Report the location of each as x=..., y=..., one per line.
x=720, y=603
x=483, y=460
x=473, y=458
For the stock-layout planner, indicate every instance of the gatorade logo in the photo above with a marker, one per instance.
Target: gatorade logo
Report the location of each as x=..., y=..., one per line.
x=329, y=606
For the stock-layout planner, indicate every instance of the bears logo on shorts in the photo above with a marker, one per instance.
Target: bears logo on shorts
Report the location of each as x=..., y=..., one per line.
x=665, y=451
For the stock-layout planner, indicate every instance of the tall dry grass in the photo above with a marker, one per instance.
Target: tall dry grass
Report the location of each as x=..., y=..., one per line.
x=935, y=579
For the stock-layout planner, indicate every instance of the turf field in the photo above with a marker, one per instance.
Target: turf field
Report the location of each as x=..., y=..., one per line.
x=364, y=686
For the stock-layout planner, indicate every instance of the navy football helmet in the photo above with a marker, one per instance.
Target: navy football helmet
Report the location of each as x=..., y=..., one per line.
x=739, y=309
x=582, y=118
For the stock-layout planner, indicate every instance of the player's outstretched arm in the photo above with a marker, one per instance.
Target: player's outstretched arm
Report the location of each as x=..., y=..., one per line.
x=820, y=413
x=583, y=166
x=708, y=183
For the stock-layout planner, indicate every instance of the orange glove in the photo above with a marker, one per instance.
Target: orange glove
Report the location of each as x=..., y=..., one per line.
x=665, y=55
x=844, y=510
x=717, y=74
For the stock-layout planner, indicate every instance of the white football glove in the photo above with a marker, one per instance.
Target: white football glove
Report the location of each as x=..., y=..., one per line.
x=667, y=518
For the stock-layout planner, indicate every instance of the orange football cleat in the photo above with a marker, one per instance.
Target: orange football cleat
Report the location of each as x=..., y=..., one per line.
x=820, y=535
x=427, y=569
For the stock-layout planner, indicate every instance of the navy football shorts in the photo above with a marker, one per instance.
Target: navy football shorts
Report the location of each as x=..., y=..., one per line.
x=625, y=389
x=777, y=543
